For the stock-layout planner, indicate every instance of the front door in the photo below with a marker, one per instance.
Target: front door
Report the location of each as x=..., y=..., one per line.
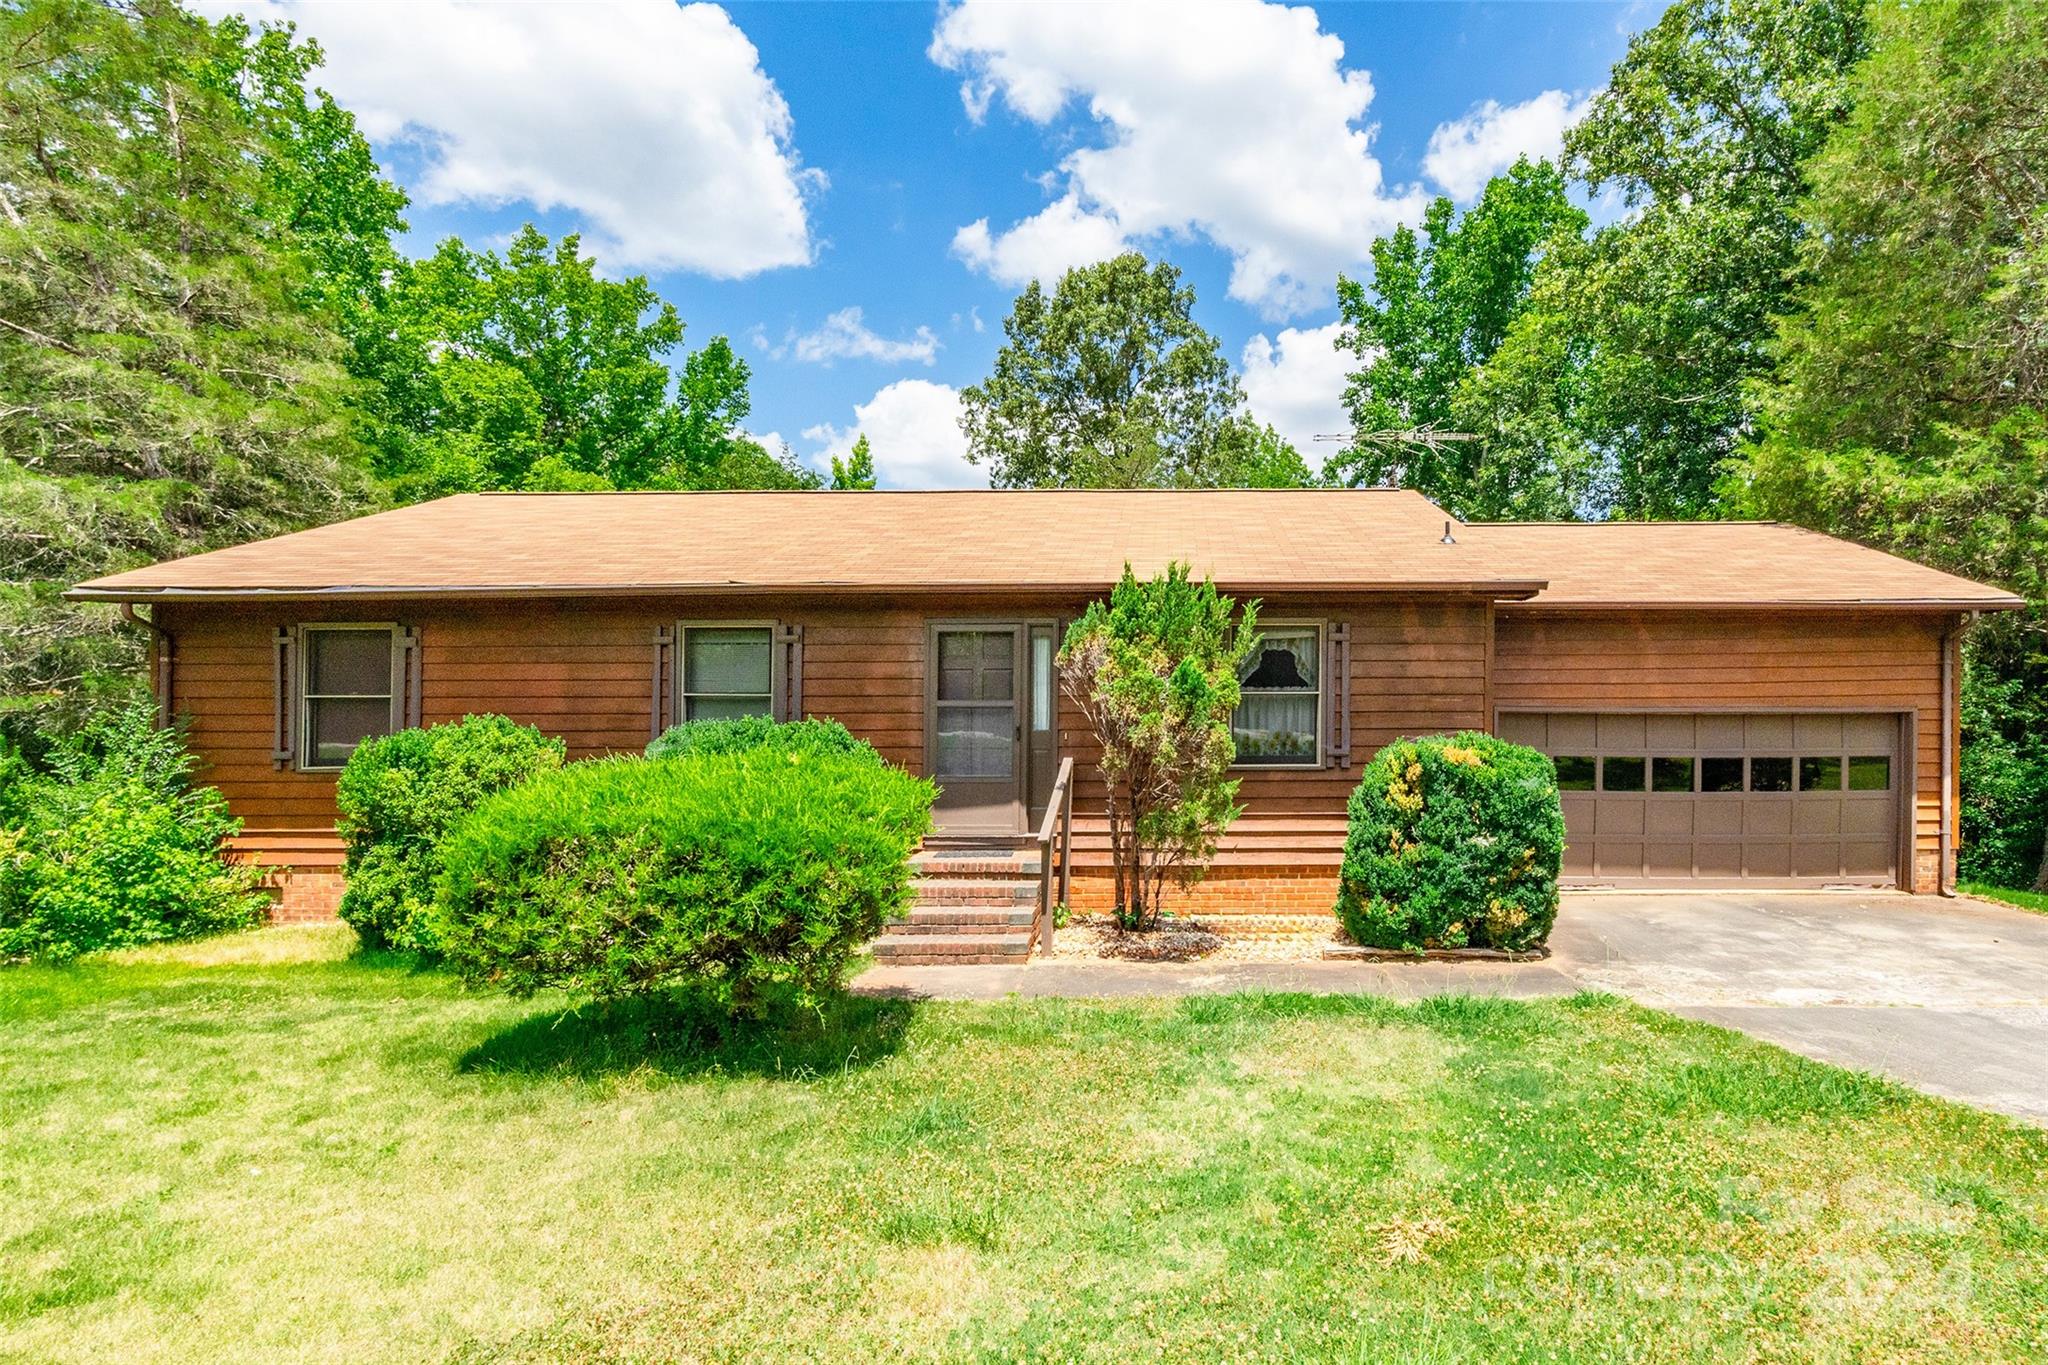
x=975, y=727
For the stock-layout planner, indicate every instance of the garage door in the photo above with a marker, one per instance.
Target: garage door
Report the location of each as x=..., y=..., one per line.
x=1724, y=798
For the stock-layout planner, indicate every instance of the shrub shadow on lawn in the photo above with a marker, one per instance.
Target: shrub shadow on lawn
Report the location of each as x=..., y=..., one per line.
x=680, y=1038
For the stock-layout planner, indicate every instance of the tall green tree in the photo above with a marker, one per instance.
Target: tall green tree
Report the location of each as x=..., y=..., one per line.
x=1439, y=306
x=1644, y=342
x=1109, y=382
x=1909, y=403
x=531, y=370
x=165, y=386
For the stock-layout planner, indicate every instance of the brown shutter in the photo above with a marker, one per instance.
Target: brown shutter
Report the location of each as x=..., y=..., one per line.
x=1338, y=675
x=789, y=696
x=407, y=704
x=284, y=695
x=662, y=698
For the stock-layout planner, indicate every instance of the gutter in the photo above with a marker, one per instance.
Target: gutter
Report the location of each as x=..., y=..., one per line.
x=1496, y=589
x=163, y=653
x=1949, y=739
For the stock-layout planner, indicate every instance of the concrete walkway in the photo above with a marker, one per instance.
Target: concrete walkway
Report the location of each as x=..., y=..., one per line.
x=1947, y=996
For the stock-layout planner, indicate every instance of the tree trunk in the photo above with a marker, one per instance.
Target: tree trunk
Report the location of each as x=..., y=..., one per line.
x=2041, y=877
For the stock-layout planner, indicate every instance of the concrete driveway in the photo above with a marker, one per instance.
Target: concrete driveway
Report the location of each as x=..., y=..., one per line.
x=1947, y=996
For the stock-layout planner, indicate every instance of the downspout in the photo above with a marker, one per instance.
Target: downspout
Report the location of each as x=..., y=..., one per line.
x=162, y=646
x=1949, y=738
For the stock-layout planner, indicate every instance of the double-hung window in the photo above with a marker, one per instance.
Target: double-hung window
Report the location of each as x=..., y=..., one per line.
x=1279, y=716
x=348, y=690
x=727, y=671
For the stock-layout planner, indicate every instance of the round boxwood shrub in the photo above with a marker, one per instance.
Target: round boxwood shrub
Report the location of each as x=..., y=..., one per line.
x=698, y=738
x=1454, y=842
x=745, y=879
x=399, y=795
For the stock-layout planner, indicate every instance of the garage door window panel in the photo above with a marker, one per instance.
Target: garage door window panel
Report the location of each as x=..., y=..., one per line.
x=1622, y=774
x=1575, y=773
x=1771, y=774
x=1820, y=774
x=1718, y=774
x=1872, y=773
x=1671, y=775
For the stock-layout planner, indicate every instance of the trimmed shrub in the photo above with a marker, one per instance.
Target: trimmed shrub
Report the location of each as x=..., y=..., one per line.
x=114, y=846
x=400, y=795
x=749, y=878
x=1454, y=842
x=700, y=738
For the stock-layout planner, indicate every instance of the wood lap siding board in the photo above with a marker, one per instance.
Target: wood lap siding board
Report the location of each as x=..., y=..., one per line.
x=1694, y=661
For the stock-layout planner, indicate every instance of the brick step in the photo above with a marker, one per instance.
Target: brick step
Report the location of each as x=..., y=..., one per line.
x=941, y=891
x=915, y=928
x=923, y=917
x=945, y=868
x=911, y=950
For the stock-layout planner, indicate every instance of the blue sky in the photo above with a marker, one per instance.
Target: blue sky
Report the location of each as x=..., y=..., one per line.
x=771, y=166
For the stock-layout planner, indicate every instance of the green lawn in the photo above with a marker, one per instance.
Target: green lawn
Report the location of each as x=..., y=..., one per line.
x=259, y=1148
x=2025, y=900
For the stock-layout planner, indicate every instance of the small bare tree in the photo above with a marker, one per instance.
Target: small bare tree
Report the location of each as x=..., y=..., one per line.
x=1155, y=671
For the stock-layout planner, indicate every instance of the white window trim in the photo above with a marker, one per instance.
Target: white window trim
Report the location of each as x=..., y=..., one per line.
x=307, y=629
x=777, y=682
x=1322, y=695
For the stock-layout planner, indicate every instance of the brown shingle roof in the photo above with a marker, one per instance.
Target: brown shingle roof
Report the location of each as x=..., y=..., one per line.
x=1338, y=540
x=1715, y=563
x=563, y=543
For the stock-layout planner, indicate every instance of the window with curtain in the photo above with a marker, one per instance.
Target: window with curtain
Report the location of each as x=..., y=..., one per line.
x=728, y=671
x=348, y=689
x=1279, y=716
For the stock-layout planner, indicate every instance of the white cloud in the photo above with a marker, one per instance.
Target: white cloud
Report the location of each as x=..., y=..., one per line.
x=1467, y=152
x=844, y=336
x=1296, y=382
x=654, y=124
x=913, y=428
x=1236, y=121
x=1043, y=246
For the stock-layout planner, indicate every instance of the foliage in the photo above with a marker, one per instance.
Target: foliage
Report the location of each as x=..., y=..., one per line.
x=855, y=474
x=1111, y=383
x=2003, y=780
x=1639, y=340
x=1155, y=672
x=1909, y=405
x=164, y=387
x=532, y=370
x=1454, y=842
x=399, y=796
x=743, y=734
x=745, y=879
x=1437, y=309
x=114, y=846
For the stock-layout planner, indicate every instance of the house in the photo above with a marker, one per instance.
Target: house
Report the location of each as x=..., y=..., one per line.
x=1728, y=704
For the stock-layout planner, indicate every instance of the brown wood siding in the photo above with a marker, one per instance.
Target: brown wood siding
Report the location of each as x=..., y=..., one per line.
x=1688, y=661
x=583, y=670
x=1416, y=669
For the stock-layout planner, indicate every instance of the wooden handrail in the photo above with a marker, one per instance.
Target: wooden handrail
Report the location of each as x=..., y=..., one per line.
x=1055, y=830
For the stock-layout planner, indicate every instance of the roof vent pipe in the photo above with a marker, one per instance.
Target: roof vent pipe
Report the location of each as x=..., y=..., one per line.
x=1448, y=539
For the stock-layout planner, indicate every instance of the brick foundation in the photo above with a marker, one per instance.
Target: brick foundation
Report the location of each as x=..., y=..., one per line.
x=1224, y=893
x=303, y=896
